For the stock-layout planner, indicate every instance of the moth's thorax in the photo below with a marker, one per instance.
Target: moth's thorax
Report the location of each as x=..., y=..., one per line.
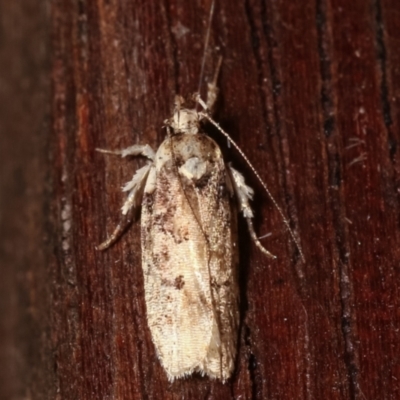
x=180, y=149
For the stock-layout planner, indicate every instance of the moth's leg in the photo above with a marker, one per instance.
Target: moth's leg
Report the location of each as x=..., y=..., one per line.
x=118, y=231
x=135, y=187
x=135, y=150
x=245, y=193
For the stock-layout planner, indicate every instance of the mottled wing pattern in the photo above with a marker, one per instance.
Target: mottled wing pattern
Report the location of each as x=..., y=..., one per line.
x=190, y=259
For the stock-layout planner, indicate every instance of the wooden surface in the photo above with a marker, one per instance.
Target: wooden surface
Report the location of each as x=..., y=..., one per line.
x=309, y=89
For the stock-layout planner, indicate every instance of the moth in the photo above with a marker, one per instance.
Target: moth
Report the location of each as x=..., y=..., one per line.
x=189, y=244
x=189, y=199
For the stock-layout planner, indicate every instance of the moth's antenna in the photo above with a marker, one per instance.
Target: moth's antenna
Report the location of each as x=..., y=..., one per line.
x=203, y=62
x=274, y=202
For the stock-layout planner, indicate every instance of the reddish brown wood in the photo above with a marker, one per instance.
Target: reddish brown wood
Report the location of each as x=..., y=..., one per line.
x=309, y=90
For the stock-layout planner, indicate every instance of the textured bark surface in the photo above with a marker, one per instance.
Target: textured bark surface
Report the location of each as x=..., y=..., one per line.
x=310, y=90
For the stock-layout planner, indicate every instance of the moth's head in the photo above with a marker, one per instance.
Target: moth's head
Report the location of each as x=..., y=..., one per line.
x=184, y=120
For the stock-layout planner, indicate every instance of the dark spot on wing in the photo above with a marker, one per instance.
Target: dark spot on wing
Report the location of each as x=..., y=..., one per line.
x=179, y=282
x=203, y=181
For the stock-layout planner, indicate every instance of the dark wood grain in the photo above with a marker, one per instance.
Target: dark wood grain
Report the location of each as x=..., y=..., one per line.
x=26, y=352
x=310, y=90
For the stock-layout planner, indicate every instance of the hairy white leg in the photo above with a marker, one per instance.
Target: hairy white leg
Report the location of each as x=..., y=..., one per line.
x=245, y=193
x=136, y=150
x=135, y=187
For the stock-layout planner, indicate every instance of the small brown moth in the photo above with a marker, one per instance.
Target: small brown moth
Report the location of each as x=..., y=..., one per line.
x=189, y=245
x=189, y=242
